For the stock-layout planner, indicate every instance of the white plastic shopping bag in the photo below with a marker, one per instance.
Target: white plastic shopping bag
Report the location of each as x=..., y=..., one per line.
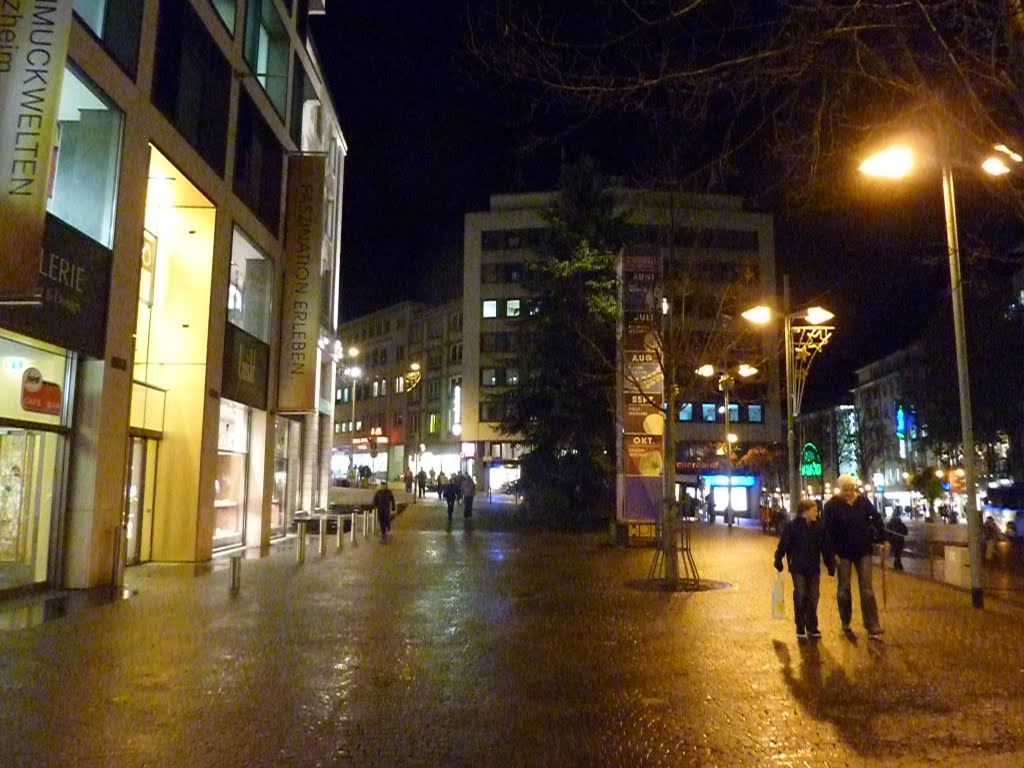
x=778, y=599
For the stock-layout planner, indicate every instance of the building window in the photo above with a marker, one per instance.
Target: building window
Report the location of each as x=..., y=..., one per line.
x=259, y=162
x=490, y=308
x=489, y=377
x=250, y=287
x=755, y=414
x=383, y=387
x=433, y=390
x=88, y=154
x=307, y=112
x=226, y=10
x=734, y=412
x=434, y=423
x=376, y=389
x=686, y=412
x=399, y=384
x=116, y=23
x=491, y=411
x=192, y=81
x=266, y=50
x=496, y=342
x=512, y=308
x=708, y=412
x=455, y=354
x=512, y=376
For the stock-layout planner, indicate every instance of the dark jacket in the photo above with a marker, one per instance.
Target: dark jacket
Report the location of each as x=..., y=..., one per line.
x=806, y=547
x=384, y=500
x=852, y=529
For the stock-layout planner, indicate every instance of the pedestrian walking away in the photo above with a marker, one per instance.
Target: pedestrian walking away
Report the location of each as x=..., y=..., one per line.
x=384, y=502
x=442, y=482
x=421, y=484
x=896, y=534
x=468, y=492
x=854, y=527
x=805, y=545
x=451, y=493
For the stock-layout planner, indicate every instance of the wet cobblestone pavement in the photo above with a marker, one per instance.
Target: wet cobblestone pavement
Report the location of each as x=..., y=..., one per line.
x=490, y=647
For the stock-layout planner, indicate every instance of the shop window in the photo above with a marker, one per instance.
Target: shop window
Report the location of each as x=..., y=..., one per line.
x=755, y=414
x=192, y=81
x=250, y=288
x=266, y=50
x=88, y=155
x=259, y=162
x=306, y=112
x=490, y=308
x=226, y=9
x=229, y=485
x=708, y=412
x=116, y=23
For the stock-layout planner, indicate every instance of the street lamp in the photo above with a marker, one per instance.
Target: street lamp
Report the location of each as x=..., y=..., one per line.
x=352, y=373
x=878, y=165
x=726, y=384
x=801, y=343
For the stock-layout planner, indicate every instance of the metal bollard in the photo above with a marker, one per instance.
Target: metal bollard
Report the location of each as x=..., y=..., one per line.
x=352, y=527
x=300, y=552
x=323, y=536
x=365, y=534
x=341, y=531
x=235, y=581
x=120, y=555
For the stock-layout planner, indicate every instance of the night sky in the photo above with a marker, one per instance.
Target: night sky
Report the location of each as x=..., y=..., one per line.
x=428, y=143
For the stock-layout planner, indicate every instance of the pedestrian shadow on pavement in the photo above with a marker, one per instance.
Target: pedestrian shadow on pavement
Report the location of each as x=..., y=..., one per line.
x=827, y=693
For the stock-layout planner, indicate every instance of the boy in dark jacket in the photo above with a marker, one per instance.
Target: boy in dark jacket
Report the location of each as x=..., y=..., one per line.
x=805, y=545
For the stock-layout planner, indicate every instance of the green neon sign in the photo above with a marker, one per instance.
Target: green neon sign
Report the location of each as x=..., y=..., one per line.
x=810, y=461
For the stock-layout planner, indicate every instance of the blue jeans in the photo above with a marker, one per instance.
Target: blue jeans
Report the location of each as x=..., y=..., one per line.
x=805, y=600
x=868, y=606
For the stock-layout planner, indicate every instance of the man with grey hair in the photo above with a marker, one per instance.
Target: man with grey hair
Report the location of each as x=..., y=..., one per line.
x=854, y=527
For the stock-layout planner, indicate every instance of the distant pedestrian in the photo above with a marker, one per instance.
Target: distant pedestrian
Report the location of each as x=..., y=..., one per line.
x=805, y=546
x=384, y=502
x=421, y=484
x=442, y=481
x=990, y=535
x=408, y=481
x=854, y=526
x=451, y=493
x=896, y=534
x=468, y=492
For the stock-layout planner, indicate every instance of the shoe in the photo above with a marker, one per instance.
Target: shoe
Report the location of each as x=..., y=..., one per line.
x=876, y=632
x=814, y=634
x=846, y=627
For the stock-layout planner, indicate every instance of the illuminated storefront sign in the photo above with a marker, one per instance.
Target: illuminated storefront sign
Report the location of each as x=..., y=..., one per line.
x=300, y=322
x=33, y=47
x=810, y=461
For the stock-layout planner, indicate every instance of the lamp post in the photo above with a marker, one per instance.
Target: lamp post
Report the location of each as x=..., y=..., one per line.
x=896, y=162
x=801, y=343
x=353, y=373
x=726, y=384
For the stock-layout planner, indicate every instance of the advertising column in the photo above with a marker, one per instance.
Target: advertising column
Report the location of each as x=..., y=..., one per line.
x=33, y=46
x=641, y=397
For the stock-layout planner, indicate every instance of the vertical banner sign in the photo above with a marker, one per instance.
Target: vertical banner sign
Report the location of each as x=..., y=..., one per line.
x=300, y=313
x=641, y=390
x=33, y=46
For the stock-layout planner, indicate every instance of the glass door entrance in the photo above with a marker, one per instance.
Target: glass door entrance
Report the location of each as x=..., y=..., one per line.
x=139, y=496
x=27, y=465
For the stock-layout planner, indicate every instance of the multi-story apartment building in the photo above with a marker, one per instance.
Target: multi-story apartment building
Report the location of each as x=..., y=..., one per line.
x=400, y=409
x=179, y=164
x=712, y=233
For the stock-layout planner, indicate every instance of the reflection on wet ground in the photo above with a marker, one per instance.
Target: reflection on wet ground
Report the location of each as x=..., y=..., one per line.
x=33, y=611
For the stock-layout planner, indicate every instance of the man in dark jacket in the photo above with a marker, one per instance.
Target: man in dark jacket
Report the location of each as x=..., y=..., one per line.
x=384, y=501
x=854, y=526
x=896, y=534
x=805, y=545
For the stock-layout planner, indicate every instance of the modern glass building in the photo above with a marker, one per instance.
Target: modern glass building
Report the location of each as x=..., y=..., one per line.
x=169, y=393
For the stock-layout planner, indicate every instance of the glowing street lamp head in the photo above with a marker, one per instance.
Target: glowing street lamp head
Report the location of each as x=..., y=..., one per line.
x=761, y=315
x=892, y=163
x=354, y=372
x=994, y=166
x=746, y=370
x=353, y=352
x=707, y=370
x=414, y=367
x=817, y=315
